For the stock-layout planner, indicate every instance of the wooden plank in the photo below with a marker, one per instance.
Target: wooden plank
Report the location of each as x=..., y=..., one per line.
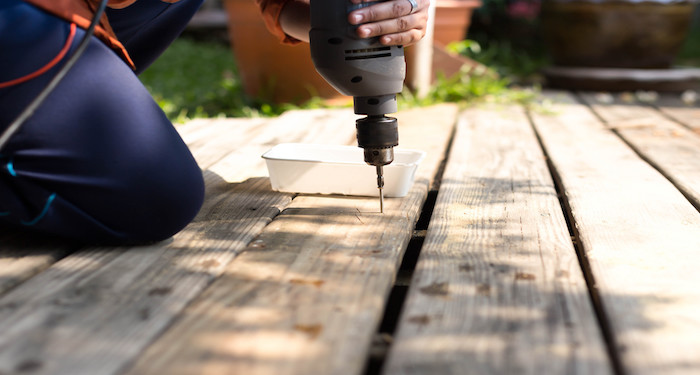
x=498, y=288
x=307, y=294
x=194, y=129
x=218, y=138
x=639, y=235
x=23, y=255
x=212, y=139
x=94, y=311
x=685, y=112
x=671, y=148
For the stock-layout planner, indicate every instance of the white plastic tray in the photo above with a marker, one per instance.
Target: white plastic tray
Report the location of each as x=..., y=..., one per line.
x=328, y=169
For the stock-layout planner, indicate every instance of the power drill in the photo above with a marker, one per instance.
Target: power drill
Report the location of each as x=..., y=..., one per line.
x=366, y=70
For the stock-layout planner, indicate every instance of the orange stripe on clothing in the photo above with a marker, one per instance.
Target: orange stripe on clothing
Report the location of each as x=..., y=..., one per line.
x=81, y=12
x=45, y=68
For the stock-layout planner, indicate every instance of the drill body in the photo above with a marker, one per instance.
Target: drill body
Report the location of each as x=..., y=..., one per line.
x=362, y=68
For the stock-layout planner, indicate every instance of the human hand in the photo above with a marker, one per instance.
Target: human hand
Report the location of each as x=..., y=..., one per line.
x=395, y=22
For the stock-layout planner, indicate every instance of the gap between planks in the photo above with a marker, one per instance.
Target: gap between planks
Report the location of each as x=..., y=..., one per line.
x=306, y=296
x=639, y=234
x=498, y=288
x=671, y=148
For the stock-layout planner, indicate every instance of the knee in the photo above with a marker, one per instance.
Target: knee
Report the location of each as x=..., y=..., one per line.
x=150, y=196
x=114, y=212
x=160, y=207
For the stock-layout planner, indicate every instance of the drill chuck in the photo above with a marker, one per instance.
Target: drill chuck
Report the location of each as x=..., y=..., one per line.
x=377, y=135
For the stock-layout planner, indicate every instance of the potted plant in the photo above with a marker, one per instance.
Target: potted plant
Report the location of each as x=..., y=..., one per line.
x=452, y=19
x=630, y=34
x=269, y=69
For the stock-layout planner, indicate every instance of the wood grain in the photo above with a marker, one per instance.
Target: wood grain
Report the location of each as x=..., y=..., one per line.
x=23, y=255
x=218, y=138
x=640, y=236
x=498, y=288
x=307, y=294
x=685, y=112
x=94, y=311
x=671, y=148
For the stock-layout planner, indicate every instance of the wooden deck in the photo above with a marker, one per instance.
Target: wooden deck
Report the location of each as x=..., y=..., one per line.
x=559, y=240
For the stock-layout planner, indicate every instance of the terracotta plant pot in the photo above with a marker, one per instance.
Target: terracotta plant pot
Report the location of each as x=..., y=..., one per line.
x=452, y=19
x=615, y=34
x=269, y=69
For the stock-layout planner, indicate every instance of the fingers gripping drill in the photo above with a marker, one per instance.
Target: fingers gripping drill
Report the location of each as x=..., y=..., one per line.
x=366, y=70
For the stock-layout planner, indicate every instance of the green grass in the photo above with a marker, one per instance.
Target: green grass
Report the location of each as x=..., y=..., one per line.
x=195, y=79
x=469, y=88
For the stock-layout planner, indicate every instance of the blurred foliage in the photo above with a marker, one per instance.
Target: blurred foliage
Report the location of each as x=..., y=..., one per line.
x=471, y=86
x=506, y=35
x=690, y=53
x=505, y=57
x=200, y=79
x=194, y=79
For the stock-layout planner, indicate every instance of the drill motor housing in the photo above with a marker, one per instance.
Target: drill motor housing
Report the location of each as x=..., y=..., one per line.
x=365, y=69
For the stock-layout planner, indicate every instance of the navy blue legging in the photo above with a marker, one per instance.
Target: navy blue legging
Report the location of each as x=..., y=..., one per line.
x=98, y=162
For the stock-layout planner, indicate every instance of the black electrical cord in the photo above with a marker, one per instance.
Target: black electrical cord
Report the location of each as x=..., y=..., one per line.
x=31, y=108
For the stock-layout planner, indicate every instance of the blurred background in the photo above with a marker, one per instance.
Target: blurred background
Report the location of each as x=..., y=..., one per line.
x=227, y=65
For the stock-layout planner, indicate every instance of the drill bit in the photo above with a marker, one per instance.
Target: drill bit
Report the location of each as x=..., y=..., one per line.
x=380, y=186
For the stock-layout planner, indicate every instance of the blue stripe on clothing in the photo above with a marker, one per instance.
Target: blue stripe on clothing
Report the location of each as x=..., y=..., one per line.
x=66, y=153
x=11, y=168
x=43, y=212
